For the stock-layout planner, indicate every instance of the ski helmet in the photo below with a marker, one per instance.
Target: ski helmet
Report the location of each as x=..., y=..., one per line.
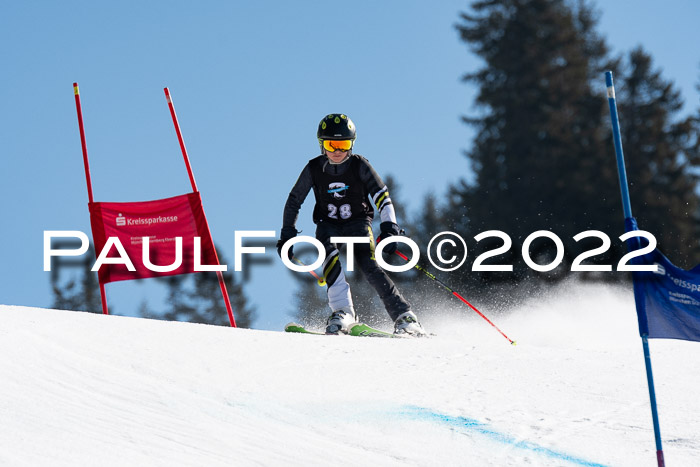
x=336, y=127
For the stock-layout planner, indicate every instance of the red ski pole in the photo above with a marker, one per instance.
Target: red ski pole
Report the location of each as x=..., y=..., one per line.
x=446, y=287
x=321, y=281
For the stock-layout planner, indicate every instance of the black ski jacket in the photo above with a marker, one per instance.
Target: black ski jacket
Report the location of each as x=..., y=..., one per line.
x=343, y=192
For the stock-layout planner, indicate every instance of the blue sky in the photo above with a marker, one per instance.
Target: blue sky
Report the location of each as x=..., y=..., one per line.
x=250, y=81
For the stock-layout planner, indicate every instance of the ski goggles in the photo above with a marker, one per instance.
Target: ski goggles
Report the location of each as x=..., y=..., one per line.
x=337, y=145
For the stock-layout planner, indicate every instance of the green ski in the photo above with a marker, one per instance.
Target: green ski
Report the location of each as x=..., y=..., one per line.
x=294, y=327
x=357, y=329
x=362, y=330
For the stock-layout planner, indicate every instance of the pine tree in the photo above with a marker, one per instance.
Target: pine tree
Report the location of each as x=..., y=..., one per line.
x=424, y=294
x=81, y=291
x=662, y=159
x=541, y=158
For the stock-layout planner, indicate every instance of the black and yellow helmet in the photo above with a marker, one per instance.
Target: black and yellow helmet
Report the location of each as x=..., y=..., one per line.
x=336, y=127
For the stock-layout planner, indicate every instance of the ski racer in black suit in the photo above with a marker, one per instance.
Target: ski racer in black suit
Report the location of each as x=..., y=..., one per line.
x=347, y=190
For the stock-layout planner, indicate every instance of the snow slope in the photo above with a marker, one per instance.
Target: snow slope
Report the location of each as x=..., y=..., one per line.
x=85, y=389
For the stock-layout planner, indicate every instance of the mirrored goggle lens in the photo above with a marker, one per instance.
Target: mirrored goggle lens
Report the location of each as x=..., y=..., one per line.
x=331, y=146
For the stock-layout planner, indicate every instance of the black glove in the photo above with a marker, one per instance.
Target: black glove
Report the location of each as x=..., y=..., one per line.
x=286, y=234
x=387, y=229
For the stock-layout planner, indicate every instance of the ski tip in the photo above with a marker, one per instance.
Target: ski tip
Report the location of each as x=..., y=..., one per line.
x=363, y=330
x=298, y=328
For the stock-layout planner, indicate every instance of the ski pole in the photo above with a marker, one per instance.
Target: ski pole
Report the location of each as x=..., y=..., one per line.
x=446, y=287
x=321, y=281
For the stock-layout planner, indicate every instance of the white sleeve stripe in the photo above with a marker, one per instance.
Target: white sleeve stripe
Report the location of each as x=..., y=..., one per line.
x=374, y=198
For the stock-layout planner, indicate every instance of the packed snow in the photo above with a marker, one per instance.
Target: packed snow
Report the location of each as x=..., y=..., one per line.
x=85, y=389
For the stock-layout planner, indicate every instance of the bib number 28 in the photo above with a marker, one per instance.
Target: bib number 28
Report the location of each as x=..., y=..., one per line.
x=344, y=211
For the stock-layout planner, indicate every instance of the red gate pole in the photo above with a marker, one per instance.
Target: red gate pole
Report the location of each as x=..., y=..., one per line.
x=222, y=284
x=88, y=180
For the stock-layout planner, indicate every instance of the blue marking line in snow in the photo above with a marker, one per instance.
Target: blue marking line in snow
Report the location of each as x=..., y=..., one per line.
x=475, y=426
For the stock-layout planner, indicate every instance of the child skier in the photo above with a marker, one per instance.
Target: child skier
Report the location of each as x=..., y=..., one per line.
x=343, y=184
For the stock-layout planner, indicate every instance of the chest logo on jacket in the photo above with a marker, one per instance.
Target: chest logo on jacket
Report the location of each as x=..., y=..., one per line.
x=338, y=189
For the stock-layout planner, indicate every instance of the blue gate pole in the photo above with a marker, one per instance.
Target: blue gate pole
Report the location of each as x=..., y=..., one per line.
x=638, y=296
